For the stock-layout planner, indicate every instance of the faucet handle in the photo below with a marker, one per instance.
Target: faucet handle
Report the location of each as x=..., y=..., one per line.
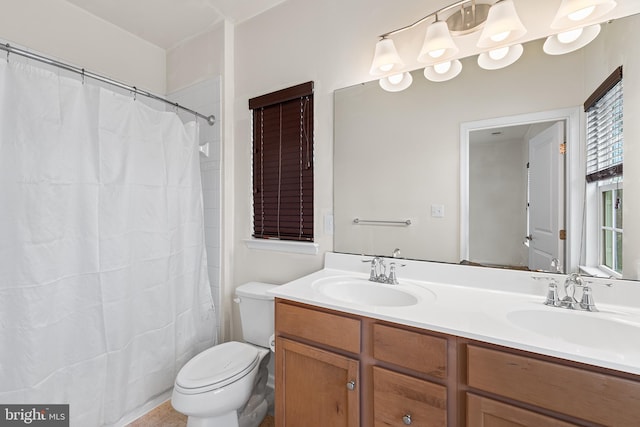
x=552, y=295
x=553, y=299
x=586, y=302
x=373, y=272
x=392, y=279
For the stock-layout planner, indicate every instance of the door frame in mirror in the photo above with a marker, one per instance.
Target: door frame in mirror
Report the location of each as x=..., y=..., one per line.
x=574, y=174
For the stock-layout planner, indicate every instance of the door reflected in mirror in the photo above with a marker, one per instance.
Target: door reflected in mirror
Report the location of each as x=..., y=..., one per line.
x=516, y=194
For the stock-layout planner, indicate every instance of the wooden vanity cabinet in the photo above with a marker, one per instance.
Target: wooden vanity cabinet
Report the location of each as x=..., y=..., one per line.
x=317, y=368
x=337, y=369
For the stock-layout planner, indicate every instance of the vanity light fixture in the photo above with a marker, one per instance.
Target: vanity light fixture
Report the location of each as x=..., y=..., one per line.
x=500, y=33
x=568, y=41
x=438, y=45
x=503, y=26
x=439, y=49
x=573, y=17
x=386, y=59
x=443, y=71
x=573, y=13
x=500, y=57
x=396, y=82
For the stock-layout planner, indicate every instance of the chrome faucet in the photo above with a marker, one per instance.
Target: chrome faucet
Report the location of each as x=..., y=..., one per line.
x=378, y=271
x=571, y=283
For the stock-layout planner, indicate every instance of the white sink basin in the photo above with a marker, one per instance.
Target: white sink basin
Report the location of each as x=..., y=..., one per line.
x=595, y=330
x=364, y=292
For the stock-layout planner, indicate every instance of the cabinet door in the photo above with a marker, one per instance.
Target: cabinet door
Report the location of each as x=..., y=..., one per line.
x=315, y=388
x=483, y=412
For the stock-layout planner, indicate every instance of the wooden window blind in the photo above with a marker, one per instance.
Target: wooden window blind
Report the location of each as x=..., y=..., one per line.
x=283, y=164
x=604, y=110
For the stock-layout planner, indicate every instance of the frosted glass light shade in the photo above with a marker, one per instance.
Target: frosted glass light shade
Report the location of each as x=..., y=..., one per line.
x=554, y=46
x=438, y=44
x=503, y=26
x=396, y=82
x=577, y=12
x=385, y=58
x=493, y=60
x=443, y=71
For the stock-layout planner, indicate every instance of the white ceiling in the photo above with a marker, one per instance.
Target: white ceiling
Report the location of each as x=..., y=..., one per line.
x=165, y=23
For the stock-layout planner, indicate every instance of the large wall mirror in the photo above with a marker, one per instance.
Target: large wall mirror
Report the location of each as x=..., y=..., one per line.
x=439, y=170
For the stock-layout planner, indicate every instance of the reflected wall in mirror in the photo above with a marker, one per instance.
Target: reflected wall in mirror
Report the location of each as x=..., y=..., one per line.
x=398, y=155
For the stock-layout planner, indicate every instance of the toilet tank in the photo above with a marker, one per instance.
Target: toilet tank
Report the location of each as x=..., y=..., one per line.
x=256, y=312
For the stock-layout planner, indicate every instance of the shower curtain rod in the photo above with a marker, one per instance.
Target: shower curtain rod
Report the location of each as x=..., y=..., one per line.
x=10, y=49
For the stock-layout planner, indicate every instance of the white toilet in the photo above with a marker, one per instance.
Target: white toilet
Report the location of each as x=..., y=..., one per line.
x=225, y=386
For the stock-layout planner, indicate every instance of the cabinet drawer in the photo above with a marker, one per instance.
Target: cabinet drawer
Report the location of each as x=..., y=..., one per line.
x=323, y=328
x=583, y=394
x=396, y=396
x=413, y=350
x=483, y=412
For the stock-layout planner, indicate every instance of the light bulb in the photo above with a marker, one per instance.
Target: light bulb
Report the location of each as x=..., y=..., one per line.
x=498, y=54
x=436, y=53
x=395, y=78
x=581, y=14
x=570, y=36
x=386, y=67
x=500, y=36
x=442, y=67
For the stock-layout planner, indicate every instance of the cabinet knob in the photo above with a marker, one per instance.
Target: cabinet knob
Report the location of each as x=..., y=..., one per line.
x=351, y=385
x=406, y=419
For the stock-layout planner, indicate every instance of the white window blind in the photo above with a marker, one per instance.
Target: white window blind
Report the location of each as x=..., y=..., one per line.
x=604, y=132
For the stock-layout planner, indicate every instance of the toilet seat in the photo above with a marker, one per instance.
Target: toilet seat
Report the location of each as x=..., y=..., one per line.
x=217, y=367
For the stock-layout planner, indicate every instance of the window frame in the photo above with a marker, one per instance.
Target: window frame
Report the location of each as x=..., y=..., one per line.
x=269, y=222
x=607, y=177
x=602, y=227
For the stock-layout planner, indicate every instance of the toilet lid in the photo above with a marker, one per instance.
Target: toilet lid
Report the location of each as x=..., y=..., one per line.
x=217, y=366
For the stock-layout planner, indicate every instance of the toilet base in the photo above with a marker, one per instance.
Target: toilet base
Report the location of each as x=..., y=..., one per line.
x=249, y=418
x=229, y=419
x=253, y=414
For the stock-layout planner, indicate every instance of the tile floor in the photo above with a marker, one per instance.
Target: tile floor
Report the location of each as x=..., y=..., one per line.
x=165, y=416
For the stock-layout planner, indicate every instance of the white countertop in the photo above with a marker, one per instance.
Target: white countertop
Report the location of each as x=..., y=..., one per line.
x=478, y=303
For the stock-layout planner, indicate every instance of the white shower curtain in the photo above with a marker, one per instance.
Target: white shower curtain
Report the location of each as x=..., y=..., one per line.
x=104, y=293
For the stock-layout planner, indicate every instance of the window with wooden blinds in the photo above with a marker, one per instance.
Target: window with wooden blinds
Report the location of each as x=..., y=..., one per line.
x=604, y=110
x=283, y=164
